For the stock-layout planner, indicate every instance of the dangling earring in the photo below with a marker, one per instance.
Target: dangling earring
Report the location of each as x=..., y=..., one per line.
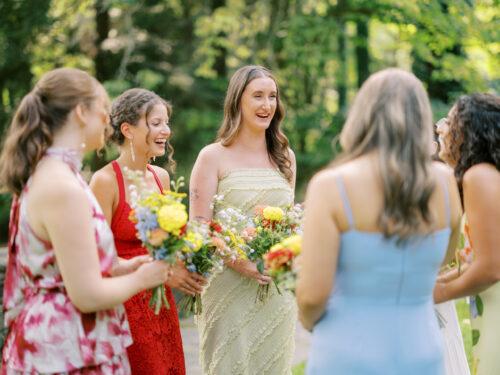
x=132, y=153
x=154, y=159
x=83, y=145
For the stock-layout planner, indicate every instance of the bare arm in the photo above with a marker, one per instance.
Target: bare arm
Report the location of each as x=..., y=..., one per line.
x=73, y=239
x=481, y=188
x=293, y=166
x=320, y=251
x=104, y=188
x=203, y=185
x=455, y=214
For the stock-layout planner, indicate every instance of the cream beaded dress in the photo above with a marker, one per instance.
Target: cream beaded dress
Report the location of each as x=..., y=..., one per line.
x=237, y=334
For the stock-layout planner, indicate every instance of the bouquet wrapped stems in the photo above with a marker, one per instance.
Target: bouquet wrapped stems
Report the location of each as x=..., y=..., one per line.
x=263, y=291
x=159, y=299
x=191, y=304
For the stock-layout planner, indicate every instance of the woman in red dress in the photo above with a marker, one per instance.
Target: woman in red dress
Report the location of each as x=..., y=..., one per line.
x=140, y=121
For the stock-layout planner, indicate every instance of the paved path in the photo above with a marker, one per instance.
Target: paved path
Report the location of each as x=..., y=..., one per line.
x=190, y=343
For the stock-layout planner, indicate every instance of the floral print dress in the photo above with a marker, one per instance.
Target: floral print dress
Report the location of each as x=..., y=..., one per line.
x=485, y=316
x=46, y=332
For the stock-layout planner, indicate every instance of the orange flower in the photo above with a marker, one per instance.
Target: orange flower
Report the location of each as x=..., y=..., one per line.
x=157, y=236
x=132, y=217
x=218, y=243
x=277, y=259
x=248, y=233
x=259, y=209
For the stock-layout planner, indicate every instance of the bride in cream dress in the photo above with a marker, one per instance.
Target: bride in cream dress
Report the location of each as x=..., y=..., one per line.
x=250, y=165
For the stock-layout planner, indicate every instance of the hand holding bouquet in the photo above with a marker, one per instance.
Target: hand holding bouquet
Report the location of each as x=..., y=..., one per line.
x=200, y=255
x=160, y=220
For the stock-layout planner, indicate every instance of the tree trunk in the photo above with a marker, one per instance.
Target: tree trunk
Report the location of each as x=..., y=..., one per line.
x=342, y=71
x=220, y=60
x=362, y=54
x=102, y=20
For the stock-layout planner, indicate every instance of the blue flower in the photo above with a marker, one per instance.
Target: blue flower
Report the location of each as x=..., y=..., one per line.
x=473, y=307
x=161, y=253
x=146, y=221
x=191, y=268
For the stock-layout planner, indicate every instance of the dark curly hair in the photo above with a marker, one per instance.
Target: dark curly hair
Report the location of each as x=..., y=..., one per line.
x=475, y=132
x=129, y=107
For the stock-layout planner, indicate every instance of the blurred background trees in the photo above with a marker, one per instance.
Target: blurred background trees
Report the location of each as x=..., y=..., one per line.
x=185, y=50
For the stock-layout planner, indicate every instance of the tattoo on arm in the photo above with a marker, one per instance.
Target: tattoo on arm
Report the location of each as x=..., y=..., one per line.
x=201, y=219
x=194, y=195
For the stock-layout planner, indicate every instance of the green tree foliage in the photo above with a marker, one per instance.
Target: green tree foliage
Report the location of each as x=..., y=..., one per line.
x=185, y=50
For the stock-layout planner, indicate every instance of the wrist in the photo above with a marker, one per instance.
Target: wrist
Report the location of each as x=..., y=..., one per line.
x=440, y=293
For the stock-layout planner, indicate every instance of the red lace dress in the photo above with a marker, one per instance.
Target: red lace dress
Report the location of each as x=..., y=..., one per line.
x=157, y=347
x=47, y=333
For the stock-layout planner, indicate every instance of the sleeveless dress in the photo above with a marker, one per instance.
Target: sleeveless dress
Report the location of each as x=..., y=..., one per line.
x=157, y=347
x=46, y=332
x=485, y=316
x=238, y=335
x=455, y=359
x=379, y=318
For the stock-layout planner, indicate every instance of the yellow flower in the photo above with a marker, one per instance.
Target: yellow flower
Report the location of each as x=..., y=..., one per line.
x=153, y=201
x=276, y=247
x=293, y=243
x=241, y=253
x=175, y=195
x=172, y=218
x=195, y=241
x=273, y=213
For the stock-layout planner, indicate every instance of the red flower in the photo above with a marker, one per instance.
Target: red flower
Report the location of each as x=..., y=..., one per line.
x=215, y=227
x=278, y=258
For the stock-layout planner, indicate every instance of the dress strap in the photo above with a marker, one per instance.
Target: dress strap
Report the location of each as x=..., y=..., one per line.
x=157, y=179
x=345, y=201
x=119, y=179
x=444, y=185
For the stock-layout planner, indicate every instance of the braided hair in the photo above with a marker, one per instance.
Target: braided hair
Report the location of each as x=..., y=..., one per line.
x=129, y=107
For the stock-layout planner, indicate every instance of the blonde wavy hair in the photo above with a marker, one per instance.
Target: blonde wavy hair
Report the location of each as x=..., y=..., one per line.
x=277, y=142
x=391, y=115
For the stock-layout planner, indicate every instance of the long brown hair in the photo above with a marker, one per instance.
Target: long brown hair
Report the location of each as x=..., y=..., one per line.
x=41, y=113
x=392, y=115
x=276, y=141
x=129, y=107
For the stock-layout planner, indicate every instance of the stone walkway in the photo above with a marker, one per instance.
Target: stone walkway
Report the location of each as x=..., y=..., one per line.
x=190, y=343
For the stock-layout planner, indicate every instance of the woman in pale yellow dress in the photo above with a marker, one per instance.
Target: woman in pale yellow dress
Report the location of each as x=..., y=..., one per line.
x=470, y=142
x=249, y=165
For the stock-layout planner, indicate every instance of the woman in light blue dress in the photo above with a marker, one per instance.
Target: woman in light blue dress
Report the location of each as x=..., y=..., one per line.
x=377, y=227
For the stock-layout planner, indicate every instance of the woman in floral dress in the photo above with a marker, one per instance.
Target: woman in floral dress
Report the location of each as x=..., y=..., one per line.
x=470, y=142
x=62, y=304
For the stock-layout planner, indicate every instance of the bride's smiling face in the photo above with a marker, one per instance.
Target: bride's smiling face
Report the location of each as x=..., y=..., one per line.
x=258, y=104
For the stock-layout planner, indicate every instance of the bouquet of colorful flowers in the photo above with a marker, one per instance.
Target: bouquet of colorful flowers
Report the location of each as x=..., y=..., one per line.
x=199, y=254
x=271, y=226
x=281, y=262
x=160, y=220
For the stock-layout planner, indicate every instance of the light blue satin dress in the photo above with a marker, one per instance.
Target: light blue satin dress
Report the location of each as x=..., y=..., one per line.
x=379, y=318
